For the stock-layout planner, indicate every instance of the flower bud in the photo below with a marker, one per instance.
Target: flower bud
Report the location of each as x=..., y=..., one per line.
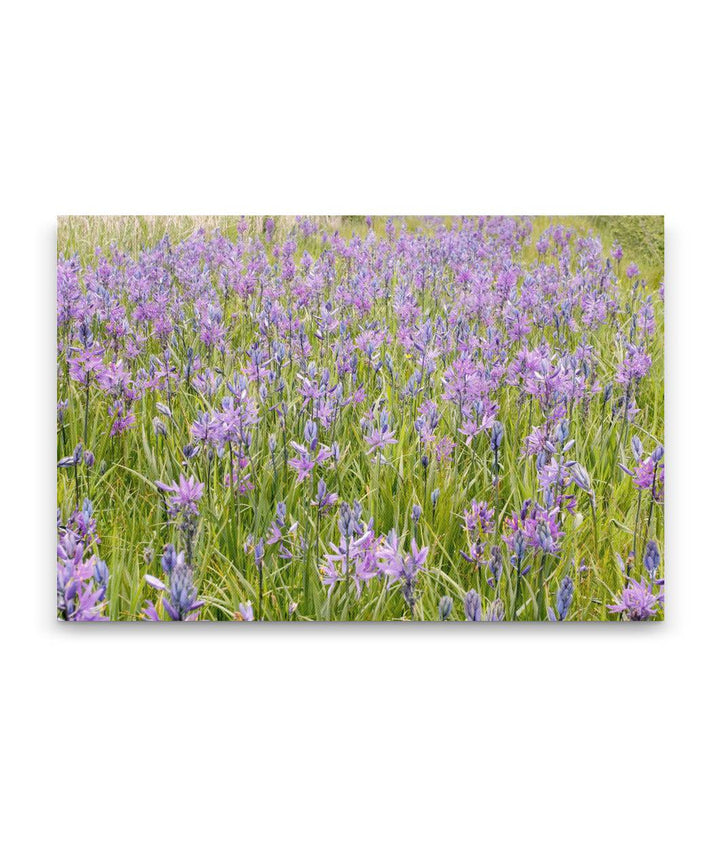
x=473, y=608
x=651, y=560
x=496, y=435
x=445, y=607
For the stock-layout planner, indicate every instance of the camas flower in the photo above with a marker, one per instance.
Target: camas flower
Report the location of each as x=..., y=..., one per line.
x=82, y=579
x=540, y=529
x=473, y=606
x=563, y=600
x=403, y=566
x=445, y=607
x=651, y=559
x=635, y=365
x=479, y=518
x=379, y=438
x=646, y=473
x=399, y=565
x=306, y=461
x=353, y=558
x=496, y=435
x=637, y=602
x=180, y=595
x=86, y=364
x=245, y=612
x=183, y=497
x=324, y=499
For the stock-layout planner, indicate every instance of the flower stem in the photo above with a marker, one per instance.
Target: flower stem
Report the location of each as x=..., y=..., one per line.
x=87, y=407
x=542, y=608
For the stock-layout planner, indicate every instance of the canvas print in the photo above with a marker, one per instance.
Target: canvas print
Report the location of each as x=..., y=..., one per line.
x=350, y=418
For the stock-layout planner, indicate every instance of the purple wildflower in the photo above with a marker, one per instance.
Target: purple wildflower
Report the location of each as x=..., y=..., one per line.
x=183, y=497
x=245, y=612
x=637, y=602
x=473, y=606
x=445, y=607
x=180, y=599
x=563, y=600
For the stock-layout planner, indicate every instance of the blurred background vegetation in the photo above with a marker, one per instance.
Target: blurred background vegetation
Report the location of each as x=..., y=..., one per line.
x=642, y=237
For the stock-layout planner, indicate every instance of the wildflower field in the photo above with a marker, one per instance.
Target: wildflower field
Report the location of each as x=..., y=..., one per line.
x=360, y=418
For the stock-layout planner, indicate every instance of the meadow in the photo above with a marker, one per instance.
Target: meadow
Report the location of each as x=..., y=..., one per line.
x=360, y=418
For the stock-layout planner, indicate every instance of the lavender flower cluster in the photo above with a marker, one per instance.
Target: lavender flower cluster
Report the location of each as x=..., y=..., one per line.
x=426, y=419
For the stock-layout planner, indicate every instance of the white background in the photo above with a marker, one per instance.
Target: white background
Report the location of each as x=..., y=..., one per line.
x=354, y=740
